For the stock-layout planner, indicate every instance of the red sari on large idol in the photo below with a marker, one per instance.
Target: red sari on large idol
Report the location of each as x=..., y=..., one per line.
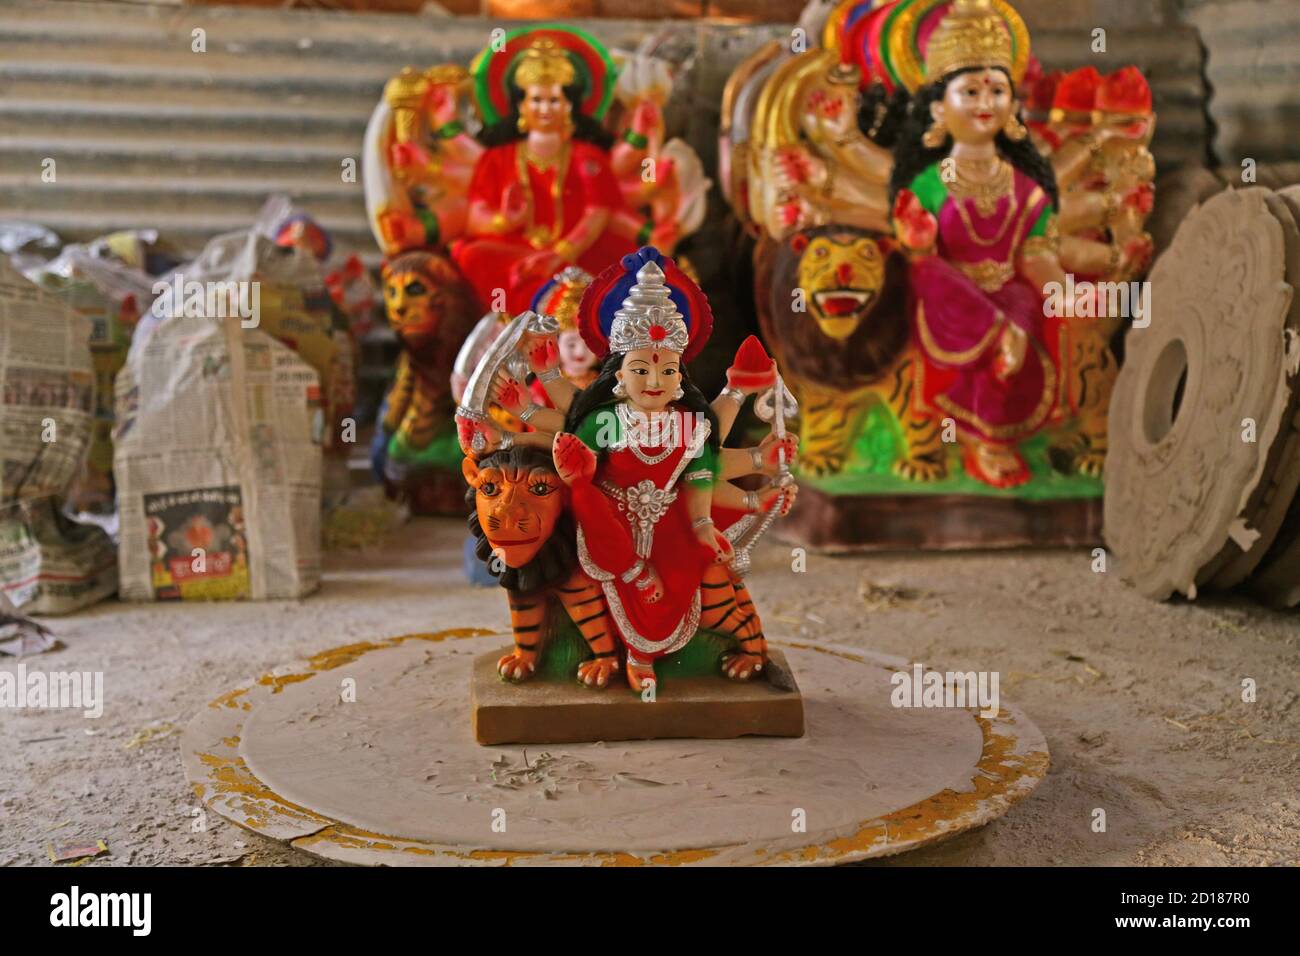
x=559, y=194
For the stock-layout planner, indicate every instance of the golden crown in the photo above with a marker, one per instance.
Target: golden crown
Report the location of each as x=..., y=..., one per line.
x=544, y=63
x=972, y=34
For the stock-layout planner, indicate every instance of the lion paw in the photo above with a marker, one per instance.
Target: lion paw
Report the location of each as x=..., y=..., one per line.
x=517, y=665
x=740, y=666
x=920, y=469
x=597, y=672
x=818, y=463
x=1091, y=464
x=574, y=461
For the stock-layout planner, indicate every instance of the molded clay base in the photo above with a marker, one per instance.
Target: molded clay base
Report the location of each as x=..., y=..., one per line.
x=846, y=523
x=365, y=754
x=551, y=712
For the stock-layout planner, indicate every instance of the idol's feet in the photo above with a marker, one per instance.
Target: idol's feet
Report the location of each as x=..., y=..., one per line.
x=999, y=466
x=518, y=665
x=597, y=672
x=574, y=461
x=740, y=666
x=639, y=674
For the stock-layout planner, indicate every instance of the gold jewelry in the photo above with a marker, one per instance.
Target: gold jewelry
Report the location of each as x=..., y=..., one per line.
x=935, y=136
x=565, y=250
x=544, y=63
x=541, y=237
x=1014, y=129
x=499, y=223
x=972, y=33
x=521, y=124
x=986, y=191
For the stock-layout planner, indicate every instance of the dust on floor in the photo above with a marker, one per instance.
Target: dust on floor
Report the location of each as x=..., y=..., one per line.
x=1141, y=703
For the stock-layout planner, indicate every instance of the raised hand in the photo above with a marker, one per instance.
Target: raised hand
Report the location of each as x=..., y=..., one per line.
x=917, y=228
x=510, y=394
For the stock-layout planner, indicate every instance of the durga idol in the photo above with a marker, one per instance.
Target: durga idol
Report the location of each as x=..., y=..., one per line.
x=543, y=195
x=976, y=203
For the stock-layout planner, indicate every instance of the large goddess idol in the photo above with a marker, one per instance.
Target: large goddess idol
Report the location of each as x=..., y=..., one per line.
x=639, y=449
x=554, y=177
x=543, y=194
x=976, y=202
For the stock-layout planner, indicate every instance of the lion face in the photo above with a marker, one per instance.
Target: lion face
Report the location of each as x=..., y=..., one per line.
x=517, y=505
x=419, y=289
x=841, y=276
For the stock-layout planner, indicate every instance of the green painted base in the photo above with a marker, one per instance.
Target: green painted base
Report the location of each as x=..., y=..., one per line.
x=868, y=470
x=565, y=649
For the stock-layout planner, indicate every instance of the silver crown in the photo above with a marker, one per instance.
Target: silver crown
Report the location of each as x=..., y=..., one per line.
x=648, y=304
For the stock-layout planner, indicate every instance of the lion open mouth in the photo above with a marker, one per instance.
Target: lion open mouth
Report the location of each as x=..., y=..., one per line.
x=842, y=304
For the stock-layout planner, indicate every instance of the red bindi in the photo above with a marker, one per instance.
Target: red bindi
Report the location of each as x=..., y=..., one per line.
x=655, y=357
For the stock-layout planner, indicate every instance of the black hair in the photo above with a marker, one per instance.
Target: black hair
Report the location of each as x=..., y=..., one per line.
x=506, y=130
x=899, y=122
x=601, y=392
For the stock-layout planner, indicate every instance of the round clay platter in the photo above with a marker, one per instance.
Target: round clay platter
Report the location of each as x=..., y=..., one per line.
x=365, y=754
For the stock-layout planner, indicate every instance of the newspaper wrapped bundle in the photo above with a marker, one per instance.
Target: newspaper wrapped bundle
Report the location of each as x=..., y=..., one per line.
x=47, y=385
x=279, y=290
x=217, y=458
x=110, y=296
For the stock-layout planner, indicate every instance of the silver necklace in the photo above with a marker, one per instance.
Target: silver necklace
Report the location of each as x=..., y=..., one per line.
x=634, y=430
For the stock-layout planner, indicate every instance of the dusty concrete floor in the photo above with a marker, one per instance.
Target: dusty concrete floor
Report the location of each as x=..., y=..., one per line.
x=1140, y=702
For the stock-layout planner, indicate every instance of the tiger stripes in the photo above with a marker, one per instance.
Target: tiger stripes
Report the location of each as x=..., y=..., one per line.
x=726, y=607
x=830, y=425
x=584, y=602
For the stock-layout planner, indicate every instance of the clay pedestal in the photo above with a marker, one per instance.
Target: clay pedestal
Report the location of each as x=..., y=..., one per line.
x=554, y=712
x=938, y=522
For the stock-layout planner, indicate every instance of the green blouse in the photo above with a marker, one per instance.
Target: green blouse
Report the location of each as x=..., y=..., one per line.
x=932, y=191
x=602, y=430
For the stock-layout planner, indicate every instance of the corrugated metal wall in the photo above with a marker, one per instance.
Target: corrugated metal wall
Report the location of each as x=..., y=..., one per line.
x=145, y=132
x=1253, y=66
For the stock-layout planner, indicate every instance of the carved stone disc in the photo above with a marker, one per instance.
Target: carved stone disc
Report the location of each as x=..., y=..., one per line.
x=1207, y=374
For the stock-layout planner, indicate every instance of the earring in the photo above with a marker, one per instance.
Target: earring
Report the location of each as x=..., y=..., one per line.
x=620, y=390
x=1014, y=129
x=677, y=395
x=521, y=124
x=935, y=136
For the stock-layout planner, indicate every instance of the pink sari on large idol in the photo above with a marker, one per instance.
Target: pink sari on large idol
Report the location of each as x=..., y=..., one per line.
x=965, y=295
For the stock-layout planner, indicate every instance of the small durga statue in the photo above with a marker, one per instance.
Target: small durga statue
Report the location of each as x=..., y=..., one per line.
x=546, y=156
x=616, y=501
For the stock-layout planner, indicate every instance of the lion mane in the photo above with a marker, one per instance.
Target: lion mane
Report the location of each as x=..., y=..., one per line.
x=802, y=348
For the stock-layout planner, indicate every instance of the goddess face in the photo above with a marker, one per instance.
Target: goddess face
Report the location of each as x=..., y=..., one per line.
x=576, y=360
x=975, y=105
x=651, y=377
x=545, y=108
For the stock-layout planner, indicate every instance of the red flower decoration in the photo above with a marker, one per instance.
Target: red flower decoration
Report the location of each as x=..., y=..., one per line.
x=658, y=333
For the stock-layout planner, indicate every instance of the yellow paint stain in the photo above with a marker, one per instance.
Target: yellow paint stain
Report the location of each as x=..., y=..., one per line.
x=279, y=683
x=258, y=805
x=231, y=699
x=231, y=742
x=994, y=778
